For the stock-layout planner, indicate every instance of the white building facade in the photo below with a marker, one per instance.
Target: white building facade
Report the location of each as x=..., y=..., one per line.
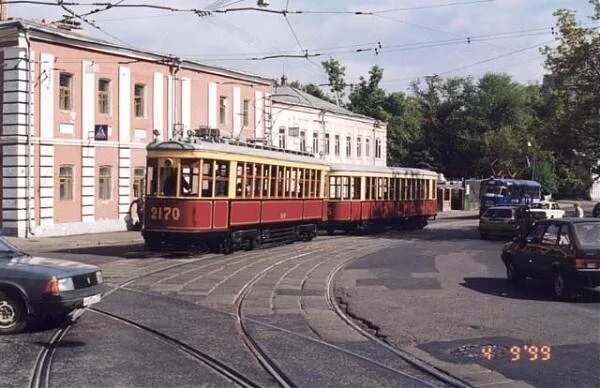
x=302, y=122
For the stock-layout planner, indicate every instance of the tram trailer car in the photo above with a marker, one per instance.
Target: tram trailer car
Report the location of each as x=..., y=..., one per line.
x=361, y=196
x=223, y=196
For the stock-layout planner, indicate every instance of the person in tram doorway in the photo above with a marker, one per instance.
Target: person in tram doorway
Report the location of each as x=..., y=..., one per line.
x=578, y=210
x=170, y=184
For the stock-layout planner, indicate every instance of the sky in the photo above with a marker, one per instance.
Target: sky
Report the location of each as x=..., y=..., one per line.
x=413, y=38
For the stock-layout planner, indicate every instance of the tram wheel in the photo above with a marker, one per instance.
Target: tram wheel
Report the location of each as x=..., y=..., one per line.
x=226, y=246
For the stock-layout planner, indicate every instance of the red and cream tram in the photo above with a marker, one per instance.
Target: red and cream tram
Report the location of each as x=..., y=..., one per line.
x=226, y=196
x=361, y=196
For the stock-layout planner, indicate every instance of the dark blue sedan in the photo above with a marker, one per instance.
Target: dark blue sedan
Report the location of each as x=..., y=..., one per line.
x=565, y=251
x=33, y=287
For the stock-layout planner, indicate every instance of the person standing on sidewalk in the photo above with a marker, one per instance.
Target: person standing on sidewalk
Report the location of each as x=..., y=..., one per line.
x=578, y=210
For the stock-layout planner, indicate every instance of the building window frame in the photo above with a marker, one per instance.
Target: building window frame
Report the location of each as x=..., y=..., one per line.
x=139, y=98
x=367, y=148
x=336, y=145
x=327, y=145
x=282, y=138
x=66, y=181
x=377, y=148
x=358, y=147
x=315, y=143
x=105, y=183
x=65, y=91
x=139, y=178
x=303, y=140
x=246, y=113
x=348, y=147
x=104, y=96
x=222, y=110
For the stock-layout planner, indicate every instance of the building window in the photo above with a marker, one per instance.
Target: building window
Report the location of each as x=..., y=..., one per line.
x=105, y=183
x=348, y=147
x=246, y=113
x=377, y=148
x=222, y=109
x=358, y=147
x=138, y=182
x=303, y=141
x=326, y=144
x=66, y=183
x=337, y=145
x=367, y=147
x=65, y=93
x=139, y=91
x=104, y=96
x=281, y=137
x=315, y=145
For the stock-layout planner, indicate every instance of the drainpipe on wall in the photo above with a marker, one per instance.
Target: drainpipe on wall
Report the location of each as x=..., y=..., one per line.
x=28, y=230
x=174, y=69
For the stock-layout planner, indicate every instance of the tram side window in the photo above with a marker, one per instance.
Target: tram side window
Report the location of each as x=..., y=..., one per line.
x=274, y=181
x=418, y=189
x=152, y=177
x=332, y=186
x=280, y=182
x=346, y=187
x=266, y=181
x=222, y=178
x=190, y=177
x=258, y=180
x=249, y=180
x=356, y=188
x=239, y=181
x=397, y=187
x=207, y=178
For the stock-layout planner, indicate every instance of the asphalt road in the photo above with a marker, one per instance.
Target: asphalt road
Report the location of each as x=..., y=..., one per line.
x=438, y=294
x=444, y=298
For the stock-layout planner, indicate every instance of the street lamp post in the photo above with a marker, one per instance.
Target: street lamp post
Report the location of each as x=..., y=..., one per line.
x=529, y=146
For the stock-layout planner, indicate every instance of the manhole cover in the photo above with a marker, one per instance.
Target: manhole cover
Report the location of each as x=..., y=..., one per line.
x=481, y=351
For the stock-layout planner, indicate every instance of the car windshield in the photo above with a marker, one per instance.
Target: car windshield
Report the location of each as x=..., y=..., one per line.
x=588, y=234
x=7, y=250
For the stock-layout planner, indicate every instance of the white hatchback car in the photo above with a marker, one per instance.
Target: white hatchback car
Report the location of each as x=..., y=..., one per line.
x=550, y=209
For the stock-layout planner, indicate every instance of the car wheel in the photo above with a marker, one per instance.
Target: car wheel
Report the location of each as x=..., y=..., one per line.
x=513, y=275
x=561, y=287
x=13, y=317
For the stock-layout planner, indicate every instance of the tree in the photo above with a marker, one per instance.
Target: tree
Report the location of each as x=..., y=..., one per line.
x=336, y=73
x=574, y=92
x=367, y=97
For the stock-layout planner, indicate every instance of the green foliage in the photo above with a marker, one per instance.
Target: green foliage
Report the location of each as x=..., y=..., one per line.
x=495, y=126
x=336, y=73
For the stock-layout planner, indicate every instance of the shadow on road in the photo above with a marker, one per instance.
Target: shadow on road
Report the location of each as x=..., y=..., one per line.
x=529, y=290
x=130, y=251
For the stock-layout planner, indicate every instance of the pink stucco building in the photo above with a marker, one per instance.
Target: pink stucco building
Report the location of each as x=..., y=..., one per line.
x=79, y=112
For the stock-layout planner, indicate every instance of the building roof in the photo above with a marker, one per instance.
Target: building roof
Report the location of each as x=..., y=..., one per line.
x=49, y=33
x=285, y=94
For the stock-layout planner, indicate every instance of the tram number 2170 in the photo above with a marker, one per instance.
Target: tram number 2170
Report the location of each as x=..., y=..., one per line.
x=164, y=213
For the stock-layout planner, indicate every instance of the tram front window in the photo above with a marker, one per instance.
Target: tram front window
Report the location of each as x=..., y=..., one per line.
x=190, y=177
x=168, y=181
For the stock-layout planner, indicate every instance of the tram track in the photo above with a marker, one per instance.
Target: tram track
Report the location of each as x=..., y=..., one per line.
x=214, y=364
x=40, y=375
x=261, y=353
x=414, y=361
